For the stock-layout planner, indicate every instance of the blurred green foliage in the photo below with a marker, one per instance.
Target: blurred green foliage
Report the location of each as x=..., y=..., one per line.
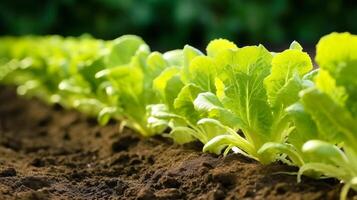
x=168, y=24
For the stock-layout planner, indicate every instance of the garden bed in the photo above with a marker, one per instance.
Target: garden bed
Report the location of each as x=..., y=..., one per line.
x=47, y=152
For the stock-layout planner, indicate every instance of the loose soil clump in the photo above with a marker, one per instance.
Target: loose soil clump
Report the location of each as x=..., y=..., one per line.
x=51, y=153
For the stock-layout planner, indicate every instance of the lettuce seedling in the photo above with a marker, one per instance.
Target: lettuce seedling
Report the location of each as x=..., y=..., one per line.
x=178, y=87
x=94, y=95
x=130, y=71
x=326, y=115
x=255, y=86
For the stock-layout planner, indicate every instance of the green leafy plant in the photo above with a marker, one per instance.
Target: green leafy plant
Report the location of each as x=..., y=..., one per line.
x=38, y=64
x=179, y=86
x=130, y=71
x=326, y=114
x=255, y=86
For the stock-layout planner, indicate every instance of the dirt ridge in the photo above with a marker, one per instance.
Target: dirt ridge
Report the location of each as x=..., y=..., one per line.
x=49, y=153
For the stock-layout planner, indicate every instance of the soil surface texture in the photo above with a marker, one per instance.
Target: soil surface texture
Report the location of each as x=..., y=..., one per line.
x=47, y=152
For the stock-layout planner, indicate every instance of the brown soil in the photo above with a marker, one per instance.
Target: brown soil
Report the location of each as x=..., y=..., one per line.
x=49, y=153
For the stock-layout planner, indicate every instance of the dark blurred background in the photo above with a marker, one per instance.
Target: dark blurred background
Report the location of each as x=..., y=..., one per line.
x=169, y=24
